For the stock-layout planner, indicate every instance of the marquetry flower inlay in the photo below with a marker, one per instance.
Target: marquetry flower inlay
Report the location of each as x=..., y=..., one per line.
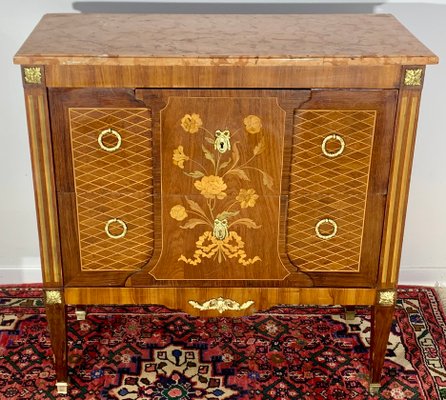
x=178, y=212
x=211, y=187
x=191, y=123
x=219, y=214
x=179, y=157
x=247, y=198
x=253, y=124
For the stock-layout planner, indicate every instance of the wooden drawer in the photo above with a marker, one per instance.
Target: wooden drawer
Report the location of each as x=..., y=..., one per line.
x=234, y=244
x=332, y=150
x=115, y=231
x=325, y=232
x=111, y=149
x=219, y=207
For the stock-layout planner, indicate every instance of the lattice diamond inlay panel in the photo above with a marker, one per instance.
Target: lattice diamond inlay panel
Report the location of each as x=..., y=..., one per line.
x=129, y=168
x=113, y=184
x=312, y=171
x=311, y=253
x=324, y=187
x=99, y=252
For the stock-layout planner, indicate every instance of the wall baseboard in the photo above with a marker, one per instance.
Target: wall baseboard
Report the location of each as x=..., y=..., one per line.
x=423, y=276
x=10, y=275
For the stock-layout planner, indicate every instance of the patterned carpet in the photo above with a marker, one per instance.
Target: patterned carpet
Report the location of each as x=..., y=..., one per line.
x=285, y=353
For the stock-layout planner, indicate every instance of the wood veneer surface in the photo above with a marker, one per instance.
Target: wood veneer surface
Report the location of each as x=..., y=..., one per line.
x=244, y=40
x=95, y=61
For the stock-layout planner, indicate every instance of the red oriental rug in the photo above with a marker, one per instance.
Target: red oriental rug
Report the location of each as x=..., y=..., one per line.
x=286, y=353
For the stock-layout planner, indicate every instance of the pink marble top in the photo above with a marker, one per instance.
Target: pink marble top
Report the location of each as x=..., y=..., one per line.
x=173, y=39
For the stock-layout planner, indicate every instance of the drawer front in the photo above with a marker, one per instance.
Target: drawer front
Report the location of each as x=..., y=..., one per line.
x=214, y=207
x=112, y=149
x=115, y=231
x=221, y=170
x=325, y=232
x=112, y=165
x=339, y=166
x=103, y=154
x=332, y=150
x=330, y=167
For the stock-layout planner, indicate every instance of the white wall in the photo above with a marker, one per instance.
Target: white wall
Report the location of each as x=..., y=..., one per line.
x=424, y=247
x=19, y=249
x=424, y=251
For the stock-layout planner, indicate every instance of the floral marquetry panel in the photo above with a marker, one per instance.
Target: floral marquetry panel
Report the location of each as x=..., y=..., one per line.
x=221, y=166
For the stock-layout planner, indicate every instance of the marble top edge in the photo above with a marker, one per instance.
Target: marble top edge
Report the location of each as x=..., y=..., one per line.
x=342, y=38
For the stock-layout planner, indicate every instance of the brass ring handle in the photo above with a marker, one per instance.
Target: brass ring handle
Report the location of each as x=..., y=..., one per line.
x=115, y=221
x=326, y=221
x=109, y=131
x=333, y=136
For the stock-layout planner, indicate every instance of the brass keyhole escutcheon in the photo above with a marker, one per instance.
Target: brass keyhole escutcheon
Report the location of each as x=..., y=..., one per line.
x=220, y=230
x=222, y=141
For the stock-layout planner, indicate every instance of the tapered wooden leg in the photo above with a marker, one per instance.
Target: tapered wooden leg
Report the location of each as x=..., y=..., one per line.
x=55, y=311
x=382, y=317
x=350, y=313
x=81, y=313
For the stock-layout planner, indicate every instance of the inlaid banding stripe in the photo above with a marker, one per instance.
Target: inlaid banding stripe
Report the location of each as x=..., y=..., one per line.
x=41, y=152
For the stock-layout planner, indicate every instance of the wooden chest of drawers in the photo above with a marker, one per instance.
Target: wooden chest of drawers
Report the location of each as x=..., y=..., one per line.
x=221, y=164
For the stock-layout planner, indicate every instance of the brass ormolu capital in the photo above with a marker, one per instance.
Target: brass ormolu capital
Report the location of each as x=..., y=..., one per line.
x=387, y=297
x=32, y=75
x=413, y=77
x=53, y=297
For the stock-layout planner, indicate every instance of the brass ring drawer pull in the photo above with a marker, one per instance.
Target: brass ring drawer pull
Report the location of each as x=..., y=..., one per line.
x=326, y=221
x=333, y=136
x=109, y=131
x=115, y=221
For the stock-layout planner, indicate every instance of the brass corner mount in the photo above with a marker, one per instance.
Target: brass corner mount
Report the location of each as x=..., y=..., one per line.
x=387, y=297
x=32, y=75
x=413, y=77
x=53, y=297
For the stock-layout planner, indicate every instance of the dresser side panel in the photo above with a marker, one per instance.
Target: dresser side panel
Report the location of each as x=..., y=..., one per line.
x=41, y=148
x=399, y=183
